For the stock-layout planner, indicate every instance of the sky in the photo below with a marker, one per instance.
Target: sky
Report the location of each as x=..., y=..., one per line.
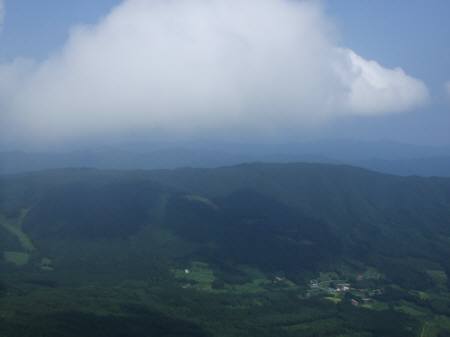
x=286, y=70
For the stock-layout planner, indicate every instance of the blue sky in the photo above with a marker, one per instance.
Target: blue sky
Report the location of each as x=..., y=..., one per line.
x=36, y=28
x=413, y=35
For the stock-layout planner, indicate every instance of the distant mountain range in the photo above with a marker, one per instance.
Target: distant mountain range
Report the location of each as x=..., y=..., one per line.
x=385, y=157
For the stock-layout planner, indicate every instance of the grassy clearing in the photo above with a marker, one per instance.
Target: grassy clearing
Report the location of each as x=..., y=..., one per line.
x=411, y=309
x=201, y=277
x=255, y=286
x=435, y=326
x=430, y=329
x=439, y=277
x=375, y=305
x=15, y=228
x=334, y=299
x=18, y=258
x=424, y=296
x=258, y=282
x=200, y=199
x=198, y=275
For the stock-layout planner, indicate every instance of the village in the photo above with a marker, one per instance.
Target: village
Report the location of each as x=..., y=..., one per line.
x=337, y=290
x=358, y=289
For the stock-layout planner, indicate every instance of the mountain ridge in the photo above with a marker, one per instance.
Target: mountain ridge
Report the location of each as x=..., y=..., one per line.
x=289, y=243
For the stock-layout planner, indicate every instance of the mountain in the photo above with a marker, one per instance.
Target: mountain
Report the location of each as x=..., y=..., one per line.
x=425, y=167
x=386, y=157
x=259, y=249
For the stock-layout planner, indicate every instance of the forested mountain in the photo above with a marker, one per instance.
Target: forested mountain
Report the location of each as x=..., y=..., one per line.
x=385, y=157
x=313, y=249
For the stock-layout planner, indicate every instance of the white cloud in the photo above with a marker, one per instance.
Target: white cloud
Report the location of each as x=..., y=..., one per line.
x=202, y=64
x=375, y=90
x=12, y=77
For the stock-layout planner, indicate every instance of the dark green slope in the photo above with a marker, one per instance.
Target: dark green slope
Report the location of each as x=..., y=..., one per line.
x=233, y=251
x=92, y=211
x=371, y=215
x=291, y=216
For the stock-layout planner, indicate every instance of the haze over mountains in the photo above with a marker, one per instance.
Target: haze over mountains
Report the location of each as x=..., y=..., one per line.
x=384, y=156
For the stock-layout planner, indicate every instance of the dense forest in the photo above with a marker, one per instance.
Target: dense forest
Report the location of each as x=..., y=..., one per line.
x=248, y=250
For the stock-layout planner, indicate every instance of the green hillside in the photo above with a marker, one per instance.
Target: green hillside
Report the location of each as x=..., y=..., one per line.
x=250, y=250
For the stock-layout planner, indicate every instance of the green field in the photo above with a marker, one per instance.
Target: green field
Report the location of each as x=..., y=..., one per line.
x=18, y=258
x=14, y=228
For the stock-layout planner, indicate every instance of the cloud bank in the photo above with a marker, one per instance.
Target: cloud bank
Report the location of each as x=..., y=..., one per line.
x=190, y=66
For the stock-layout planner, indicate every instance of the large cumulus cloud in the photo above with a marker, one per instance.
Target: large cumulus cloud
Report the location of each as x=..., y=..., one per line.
x=190, y=66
